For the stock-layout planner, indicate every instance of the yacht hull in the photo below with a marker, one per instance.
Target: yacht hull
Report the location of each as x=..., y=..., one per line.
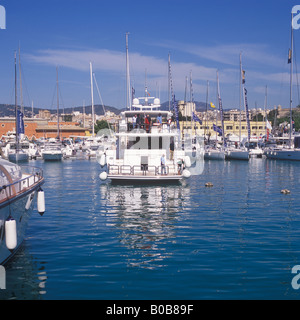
x=214, y=155
x=292, y=155
x=237, y=155
x=18, y=157
x=16, y=208
x=52, y=156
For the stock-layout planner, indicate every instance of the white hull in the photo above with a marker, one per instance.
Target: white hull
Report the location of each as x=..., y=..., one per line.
x=283, y=154
x=144, y=179
x=49, y=156
x=214, y=155
x=237, y=155
x=256, y=153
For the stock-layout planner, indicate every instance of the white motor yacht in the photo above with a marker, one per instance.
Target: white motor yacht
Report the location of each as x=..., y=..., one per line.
x=142, y=151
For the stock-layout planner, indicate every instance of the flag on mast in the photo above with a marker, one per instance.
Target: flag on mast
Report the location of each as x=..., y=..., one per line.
x=20, y=122
x=212, y=105
x=196, y=118
x=290, y=56
x=243, y=77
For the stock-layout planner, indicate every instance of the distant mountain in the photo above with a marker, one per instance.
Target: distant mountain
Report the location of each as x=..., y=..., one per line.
x=8, y=110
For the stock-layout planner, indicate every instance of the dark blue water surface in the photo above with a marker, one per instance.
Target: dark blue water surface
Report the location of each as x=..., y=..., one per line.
x=236, y=240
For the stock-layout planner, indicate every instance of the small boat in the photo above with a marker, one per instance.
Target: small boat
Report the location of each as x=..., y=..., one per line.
x=18, y=191
x=18, y=156
x=52, y=150
x=214, y=154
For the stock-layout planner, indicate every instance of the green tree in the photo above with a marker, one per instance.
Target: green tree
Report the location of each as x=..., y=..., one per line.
x=102, y=124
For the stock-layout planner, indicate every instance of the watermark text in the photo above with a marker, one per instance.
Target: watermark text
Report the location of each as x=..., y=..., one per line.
x=2, y=18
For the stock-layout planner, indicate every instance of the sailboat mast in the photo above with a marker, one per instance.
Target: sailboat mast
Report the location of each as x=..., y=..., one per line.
x=57, y=102
x=16, y=107
x=169, y=81
x=20, y=74
x=266, y=119
x=128, y=99
x=92, y=94
x=207, y=87
x=220, y=109
x=291, y=85
x=240, y=102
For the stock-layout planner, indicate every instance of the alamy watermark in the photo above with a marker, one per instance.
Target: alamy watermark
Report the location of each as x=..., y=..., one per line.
x=296, y=18
x=2, y=278
x=2, y=18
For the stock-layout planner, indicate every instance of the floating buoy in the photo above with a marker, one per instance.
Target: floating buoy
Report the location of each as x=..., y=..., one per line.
x=102, y=161
x=103, y=175
x=186, y=173
x=285, y=191
x=41, y=202
x=187, y=161
x=11, y=234
x=29, y=201
x=208, y=184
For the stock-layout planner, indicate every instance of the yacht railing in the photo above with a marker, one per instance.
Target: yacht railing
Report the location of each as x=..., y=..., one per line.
x=34, y=176
x=142, y=170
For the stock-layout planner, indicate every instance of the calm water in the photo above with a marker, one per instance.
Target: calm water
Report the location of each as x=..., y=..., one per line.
x=236, y=240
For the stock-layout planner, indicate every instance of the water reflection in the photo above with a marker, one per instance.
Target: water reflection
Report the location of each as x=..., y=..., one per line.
x=25, y=279
x=145, y=218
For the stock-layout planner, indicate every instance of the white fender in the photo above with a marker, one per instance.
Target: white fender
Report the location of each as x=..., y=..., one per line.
x=186, y=173
x=11, y=234
x=29, y=200
x=41, y=202
x=102, y=160
x=103, y=175
x=187, y=161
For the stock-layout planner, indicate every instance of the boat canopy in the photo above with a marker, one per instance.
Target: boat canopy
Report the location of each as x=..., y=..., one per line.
x=9, y=172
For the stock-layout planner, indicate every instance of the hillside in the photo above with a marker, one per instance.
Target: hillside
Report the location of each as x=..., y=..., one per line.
x=7, y=110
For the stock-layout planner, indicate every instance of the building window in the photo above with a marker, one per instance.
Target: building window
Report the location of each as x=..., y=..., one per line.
x=228, y=127
x=2, y=125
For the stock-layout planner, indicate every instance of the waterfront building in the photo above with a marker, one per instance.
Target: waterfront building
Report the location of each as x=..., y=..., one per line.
x=38, y=128
x=258, y=128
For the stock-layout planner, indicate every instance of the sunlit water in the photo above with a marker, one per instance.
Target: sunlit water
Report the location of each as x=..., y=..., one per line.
x=236, y=240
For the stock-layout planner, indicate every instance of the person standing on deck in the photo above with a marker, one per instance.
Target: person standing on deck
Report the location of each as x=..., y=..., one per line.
x=163, y=165
x=147, y=123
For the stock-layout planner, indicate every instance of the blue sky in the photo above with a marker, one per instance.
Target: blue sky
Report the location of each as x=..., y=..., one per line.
x=201, y=37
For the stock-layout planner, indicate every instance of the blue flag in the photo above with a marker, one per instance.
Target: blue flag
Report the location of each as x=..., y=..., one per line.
x=196, y=118
x=20, y=122
x=217, y=129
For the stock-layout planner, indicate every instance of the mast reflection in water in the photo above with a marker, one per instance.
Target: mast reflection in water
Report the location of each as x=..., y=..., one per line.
x=145, y=218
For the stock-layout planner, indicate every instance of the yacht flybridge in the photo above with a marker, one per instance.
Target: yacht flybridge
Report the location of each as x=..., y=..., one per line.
x=148, y=147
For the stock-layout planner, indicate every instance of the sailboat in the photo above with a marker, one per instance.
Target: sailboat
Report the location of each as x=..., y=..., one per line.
x=292, y=151
x=217, y=153
x=240, y=153
x=53, y=148
x=17, y=154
